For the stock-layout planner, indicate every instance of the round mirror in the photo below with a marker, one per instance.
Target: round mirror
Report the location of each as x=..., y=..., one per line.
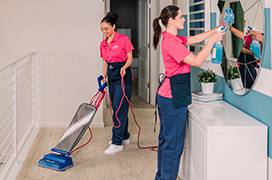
x=241, y=60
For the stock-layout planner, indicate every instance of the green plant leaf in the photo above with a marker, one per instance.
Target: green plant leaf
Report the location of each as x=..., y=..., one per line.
x=207, y=76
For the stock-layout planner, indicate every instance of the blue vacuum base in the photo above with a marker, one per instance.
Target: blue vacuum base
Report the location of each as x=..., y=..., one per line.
x=56, y=162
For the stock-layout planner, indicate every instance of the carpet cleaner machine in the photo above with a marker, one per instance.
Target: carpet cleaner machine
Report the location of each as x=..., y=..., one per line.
x=59, y=160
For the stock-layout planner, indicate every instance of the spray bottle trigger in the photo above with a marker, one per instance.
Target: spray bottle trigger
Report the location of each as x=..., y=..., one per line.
x=220, y=28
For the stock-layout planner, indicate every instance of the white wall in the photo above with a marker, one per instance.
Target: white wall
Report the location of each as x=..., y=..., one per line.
x=16, y=30
x=66, y=36
x=183, y=5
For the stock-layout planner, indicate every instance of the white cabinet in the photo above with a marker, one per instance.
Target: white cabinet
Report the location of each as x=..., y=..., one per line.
x=223, y=143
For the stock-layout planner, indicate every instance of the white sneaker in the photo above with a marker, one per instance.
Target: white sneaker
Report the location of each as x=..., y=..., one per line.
x=125, y=142
x=114, y=149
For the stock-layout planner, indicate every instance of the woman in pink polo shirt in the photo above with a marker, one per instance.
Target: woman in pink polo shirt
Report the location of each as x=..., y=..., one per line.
x=246, y=60
x=174, y=93
x=116, y=50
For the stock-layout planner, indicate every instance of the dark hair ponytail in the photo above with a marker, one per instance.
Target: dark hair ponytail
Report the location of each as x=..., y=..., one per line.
x=167, y=13
x=111, y=18
x=157, y=32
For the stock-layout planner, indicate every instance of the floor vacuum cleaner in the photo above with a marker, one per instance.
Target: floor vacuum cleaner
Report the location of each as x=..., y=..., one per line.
x=59, y=160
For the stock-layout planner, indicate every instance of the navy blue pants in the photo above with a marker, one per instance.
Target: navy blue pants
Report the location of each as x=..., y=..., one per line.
x=116, y=93
x=248, y=76
x=171, y=138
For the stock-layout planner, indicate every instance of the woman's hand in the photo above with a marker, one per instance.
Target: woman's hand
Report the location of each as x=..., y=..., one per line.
x=256, y=35
x=217, y=35
x=123, y=71
x=104, y=79
x=222, y=21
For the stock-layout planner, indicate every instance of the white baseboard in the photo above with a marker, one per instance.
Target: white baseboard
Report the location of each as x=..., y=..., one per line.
x=57, y=124
x=12, y=172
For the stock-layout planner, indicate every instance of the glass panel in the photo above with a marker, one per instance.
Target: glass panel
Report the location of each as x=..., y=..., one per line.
x=195, y=32
x=197, y=16
x=194, y=1
x=196, y=8
x=200, y=24
x=198, y=1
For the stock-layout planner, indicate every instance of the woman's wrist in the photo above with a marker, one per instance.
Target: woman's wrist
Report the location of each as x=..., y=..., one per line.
x=124, y=67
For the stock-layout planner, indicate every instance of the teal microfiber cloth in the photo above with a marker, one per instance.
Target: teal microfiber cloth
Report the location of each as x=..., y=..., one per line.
x=228, y=18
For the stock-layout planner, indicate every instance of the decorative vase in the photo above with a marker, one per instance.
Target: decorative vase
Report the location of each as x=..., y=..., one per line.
x=207, y=88
x=236, y=84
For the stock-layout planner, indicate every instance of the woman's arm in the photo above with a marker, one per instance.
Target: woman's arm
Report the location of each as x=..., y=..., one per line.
x=105, y=73
x=246, y=51
x=237, y=32
x=128, y=63
x=201, y=37
x=198, y=60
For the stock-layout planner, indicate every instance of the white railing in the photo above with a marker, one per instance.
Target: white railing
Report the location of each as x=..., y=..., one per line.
x=17, y=108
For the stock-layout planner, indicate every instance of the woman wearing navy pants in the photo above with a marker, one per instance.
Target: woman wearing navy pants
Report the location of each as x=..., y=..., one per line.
x=116, y=50
x=174, y=93
x=116, y=93
x=171, y=136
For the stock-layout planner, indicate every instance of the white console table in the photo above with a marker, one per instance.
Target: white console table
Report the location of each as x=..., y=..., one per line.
x=223, y=143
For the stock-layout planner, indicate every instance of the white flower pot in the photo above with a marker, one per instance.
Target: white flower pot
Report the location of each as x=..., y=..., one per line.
x=207, y=88
x=236, y=84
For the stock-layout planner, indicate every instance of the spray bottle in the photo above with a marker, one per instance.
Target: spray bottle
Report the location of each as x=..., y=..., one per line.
x=217, y=50
x=255, y=46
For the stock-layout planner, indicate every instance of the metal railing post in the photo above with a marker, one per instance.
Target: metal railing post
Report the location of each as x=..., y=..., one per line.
x=33, y=88
x=14, y=99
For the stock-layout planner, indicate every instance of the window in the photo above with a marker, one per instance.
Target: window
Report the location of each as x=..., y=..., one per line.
x=196, y=22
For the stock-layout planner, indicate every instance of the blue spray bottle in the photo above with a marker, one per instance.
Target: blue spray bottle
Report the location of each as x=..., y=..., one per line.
x=255, y=46
x=217, y=50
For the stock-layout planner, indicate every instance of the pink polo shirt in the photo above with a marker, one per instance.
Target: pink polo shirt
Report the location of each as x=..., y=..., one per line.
x=174, y=52
x=120, y=46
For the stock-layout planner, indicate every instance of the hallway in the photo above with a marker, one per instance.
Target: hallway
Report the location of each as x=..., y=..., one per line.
x=90, y=162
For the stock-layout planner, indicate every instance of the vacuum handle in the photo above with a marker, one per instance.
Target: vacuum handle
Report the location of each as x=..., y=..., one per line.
x=101, y=86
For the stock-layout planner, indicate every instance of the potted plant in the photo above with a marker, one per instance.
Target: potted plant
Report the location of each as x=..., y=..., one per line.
x=207, y=79
x=233, y=72
x=233, y=76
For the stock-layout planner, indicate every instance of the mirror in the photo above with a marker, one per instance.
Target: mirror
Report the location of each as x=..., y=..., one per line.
x=240, y=65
